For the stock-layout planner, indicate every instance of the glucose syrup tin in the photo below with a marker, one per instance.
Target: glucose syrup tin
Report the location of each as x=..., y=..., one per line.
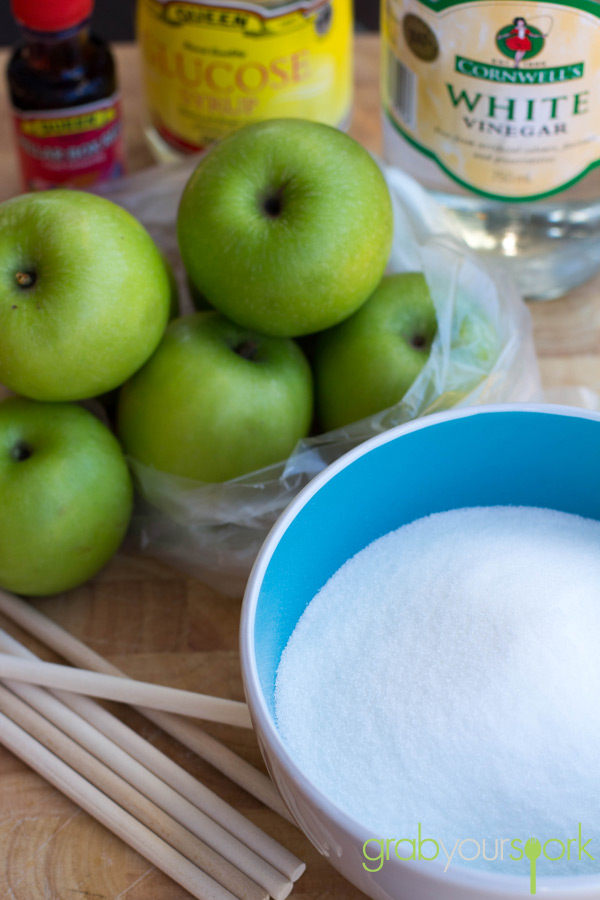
x=210, y=68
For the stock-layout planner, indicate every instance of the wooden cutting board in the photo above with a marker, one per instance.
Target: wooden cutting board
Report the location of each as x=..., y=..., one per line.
x=156, y=625
x=159, y=625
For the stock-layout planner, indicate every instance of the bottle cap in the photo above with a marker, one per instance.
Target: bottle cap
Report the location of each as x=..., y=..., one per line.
x=57, y=15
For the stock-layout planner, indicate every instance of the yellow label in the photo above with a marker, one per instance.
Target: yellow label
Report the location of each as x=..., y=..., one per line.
x=502, y=96
x=60, y=126
x=210, y=68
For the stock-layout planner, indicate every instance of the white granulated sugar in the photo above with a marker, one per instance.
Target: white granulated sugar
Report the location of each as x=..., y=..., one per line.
x=449, y=675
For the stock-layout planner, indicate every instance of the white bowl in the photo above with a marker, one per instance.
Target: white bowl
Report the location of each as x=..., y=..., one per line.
x=546, y=456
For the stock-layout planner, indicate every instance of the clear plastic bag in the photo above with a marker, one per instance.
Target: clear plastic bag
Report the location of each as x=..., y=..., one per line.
x=483, y=353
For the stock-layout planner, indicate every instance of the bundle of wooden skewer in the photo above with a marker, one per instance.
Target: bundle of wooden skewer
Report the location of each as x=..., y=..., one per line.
x=126, y=783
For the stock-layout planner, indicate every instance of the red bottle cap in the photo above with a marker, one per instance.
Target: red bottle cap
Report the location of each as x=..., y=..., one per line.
x=51, y=15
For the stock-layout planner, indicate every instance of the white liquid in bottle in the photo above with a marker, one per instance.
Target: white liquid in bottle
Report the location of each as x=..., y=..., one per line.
x=495, y=108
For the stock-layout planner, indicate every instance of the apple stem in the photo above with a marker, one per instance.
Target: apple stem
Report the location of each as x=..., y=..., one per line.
x=272, y=202
x=418, y=341
x=247, y=350
x=25, y=279
x=273, y=207
x=21, y=451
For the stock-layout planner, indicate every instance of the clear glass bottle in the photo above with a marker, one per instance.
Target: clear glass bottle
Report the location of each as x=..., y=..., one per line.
x=495, y=108
x=210, y=69
x=63, y=90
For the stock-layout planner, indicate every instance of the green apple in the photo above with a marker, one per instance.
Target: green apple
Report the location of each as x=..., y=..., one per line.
x=286, y=226
x=368, y=363
x=216, y=401
x=66, y=496
x=84, y=295
x=475, y=346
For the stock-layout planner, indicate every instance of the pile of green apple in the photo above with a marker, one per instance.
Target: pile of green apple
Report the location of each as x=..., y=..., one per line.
x=285, y=231
x=85, y=297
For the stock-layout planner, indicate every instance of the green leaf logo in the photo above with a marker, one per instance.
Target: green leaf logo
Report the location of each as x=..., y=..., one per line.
x=533, y=850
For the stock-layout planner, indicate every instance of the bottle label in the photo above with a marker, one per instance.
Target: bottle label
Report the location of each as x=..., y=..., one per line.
x=211, y=68
x=70, y=148
x=503, y=97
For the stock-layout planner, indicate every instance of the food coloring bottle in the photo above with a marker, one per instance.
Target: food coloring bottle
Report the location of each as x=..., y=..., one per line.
x=211, y=67
x=63, y=89
x=495, y=107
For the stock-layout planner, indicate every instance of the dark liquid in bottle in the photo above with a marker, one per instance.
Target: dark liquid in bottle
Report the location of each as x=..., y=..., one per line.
x=67, y=116
x=61, y=71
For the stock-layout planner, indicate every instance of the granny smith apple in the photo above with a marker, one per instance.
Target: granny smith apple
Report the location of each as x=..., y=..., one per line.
x=475, y=345
x=84, y=295
x=216, y=401
x=286, y=226
x=66, y=496
x=368, y=363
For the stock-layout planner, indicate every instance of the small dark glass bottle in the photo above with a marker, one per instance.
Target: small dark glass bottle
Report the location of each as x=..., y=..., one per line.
x=63, y=89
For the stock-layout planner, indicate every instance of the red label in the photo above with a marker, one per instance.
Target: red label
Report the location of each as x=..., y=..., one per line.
x=70, y=148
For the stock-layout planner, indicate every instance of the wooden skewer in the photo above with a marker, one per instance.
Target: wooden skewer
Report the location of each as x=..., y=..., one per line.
x=110, y=814
x=177, y=778
x=189, y=734
x=221, y=757
x=162, y=824
x=147, y=783
x=124, y=690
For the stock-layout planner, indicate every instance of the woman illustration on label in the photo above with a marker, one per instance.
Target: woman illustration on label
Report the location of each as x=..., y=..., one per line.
x=518, y=39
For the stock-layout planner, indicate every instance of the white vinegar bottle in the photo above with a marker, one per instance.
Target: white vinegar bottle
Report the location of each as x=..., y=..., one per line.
x=495, y=107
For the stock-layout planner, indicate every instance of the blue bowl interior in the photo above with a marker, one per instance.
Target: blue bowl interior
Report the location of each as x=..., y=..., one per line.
x=524, y=458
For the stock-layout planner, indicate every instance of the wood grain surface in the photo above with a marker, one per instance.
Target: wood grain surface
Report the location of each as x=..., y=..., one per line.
x=159, y=625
